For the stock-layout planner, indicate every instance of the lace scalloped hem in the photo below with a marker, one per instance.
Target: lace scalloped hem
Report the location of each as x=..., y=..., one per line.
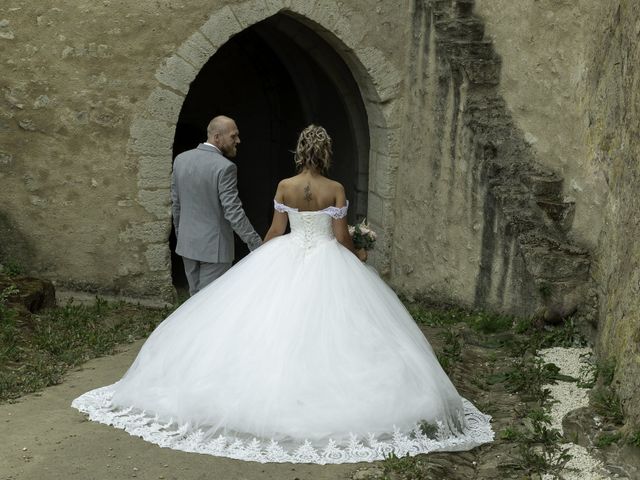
x=365, y=448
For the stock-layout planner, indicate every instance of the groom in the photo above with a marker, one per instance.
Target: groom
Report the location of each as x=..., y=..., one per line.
x=206, y=207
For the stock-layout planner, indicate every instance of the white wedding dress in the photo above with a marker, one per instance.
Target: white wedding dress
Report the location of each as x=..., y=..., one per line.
x=300, y=353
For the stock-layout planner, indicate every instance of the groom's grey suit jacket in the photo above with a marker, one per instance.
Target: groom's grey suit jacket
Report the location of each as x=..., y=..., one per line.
x=206, y=207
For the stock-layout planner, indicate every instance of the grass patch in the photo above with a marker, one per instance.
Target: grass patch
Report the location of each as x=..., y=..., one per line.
x=608, y=439
x=538, y=448
x=453, y=342
x=37, y=350
x=607, y=404
x=634, y=439
x=478, y=321
x=11, y=268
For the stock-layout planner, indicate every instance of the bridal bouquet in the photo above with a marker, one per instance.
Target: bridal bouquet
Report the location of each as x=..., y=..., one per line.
x=362, y=235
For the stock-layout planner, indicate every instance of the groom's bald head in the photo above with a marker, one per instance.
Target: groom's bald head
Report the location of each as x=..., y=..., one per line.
x=220, y=125
x=223, y=133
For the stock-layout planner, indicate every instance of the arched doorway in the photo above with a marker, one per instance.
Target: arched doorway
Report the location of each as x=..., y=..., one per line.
x=275, y=78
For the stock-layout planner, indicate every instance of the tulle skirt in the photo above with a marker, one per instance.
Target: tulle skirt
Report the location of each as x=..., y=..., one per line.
x=294, y=355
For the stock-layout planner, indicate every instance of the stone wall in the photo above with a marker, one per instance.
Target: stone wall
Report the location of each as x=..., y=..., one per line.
x=544, y=50
x=613, y=103
x=89, y=101
x=481, y=221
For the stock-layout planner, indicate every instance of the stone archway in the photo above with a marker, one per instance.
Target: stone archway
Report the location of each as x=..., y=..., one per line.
x=273, y=87
x=153, y=131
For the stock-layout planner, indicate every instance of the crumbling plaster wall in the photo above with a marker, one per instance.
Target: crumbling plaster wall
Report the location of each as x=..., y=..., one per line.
x=544, y=50
x=480, y=220
x=570, y=79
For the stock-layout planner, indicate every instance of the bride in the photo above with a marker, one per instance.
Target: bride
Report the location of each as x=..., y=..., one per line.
x=299, y=353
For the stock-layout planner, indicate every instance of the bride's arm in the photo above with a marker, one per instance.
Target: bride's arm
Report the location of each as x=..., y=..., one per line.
x=280, y=219
x=341, y=232
x=278, y=226
x=341, y=228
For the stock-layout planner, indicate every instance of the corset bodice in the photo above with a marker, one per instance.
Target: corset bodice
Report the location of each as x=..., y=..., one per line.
x=310, y=229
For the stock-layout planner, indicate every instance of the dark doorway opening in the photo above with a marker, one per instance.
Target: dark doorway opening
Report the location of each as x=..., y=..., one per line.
x=274, y=79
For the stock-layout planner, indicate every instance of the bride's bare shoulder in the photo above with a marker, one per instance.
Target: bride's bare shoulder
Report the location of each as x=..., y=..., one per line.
x=336, y=186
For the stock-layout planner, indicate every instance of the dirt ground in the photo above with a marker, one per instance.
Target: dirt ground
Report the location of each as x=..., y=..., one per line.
x=43, y=438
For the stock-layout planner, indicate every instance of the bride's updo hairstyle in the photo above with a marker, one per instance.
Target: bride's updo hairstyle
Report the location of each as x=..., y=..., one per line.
x=314, y=149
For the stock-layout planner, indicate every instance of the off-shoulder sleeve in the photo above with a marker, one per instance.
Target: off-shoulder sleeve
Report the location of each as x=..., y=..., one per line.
x=281, y=207
x=337, y=212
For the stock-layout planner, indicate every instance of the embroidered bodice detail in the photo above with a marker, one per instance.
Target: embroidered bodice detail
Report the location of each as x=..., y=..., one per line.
x=310, y=228
x=334, y=212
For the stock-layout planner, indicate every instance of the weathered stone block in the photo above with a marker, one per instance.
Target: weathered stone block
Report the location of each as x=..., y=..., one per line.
x=147, y=232
x=303, y=7
x=385, y=176
x=249, y=13
x=392, y=112
x=151, y=137
x=164, y=105
x=156, y=202
x=176, y=73
x=154, y=172
x=386, y=141
x=343, y=22
x=221, y=26
x=196, y=50
x=158, y=257
x=278, y=5
x=384, y=74
x=375, y=208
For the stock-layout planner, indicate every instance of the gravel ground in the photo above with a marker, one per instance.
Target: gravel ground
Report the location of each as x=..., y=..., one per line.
x=569, y=396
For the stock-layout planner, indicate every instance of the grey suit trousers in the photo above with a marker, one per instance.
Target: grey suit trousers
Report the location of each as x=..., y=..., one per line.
x=200, y=274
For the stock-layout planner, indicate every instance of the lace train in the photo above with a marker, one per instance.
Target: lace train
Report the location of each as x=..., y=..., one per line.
x=97, y=404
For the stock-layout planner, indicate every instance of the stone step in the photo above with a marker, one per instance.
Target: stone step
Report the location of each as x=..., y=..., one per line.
x=543, y=185
x=548, y=256
x=461, y=28
x=561, y=213
x=441, y=5
x=464, y=49
x=480, y=71
x=463, y=8
x=551, y=264
x=561, y=298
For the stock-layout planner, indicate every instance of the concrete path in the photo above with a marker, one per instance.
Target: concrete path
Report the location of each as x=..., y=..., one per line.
x=43, y=438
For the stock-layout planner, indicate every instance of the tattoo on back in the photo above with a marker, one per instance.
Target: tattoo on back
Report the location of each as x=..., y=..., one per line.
x=307, y=192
